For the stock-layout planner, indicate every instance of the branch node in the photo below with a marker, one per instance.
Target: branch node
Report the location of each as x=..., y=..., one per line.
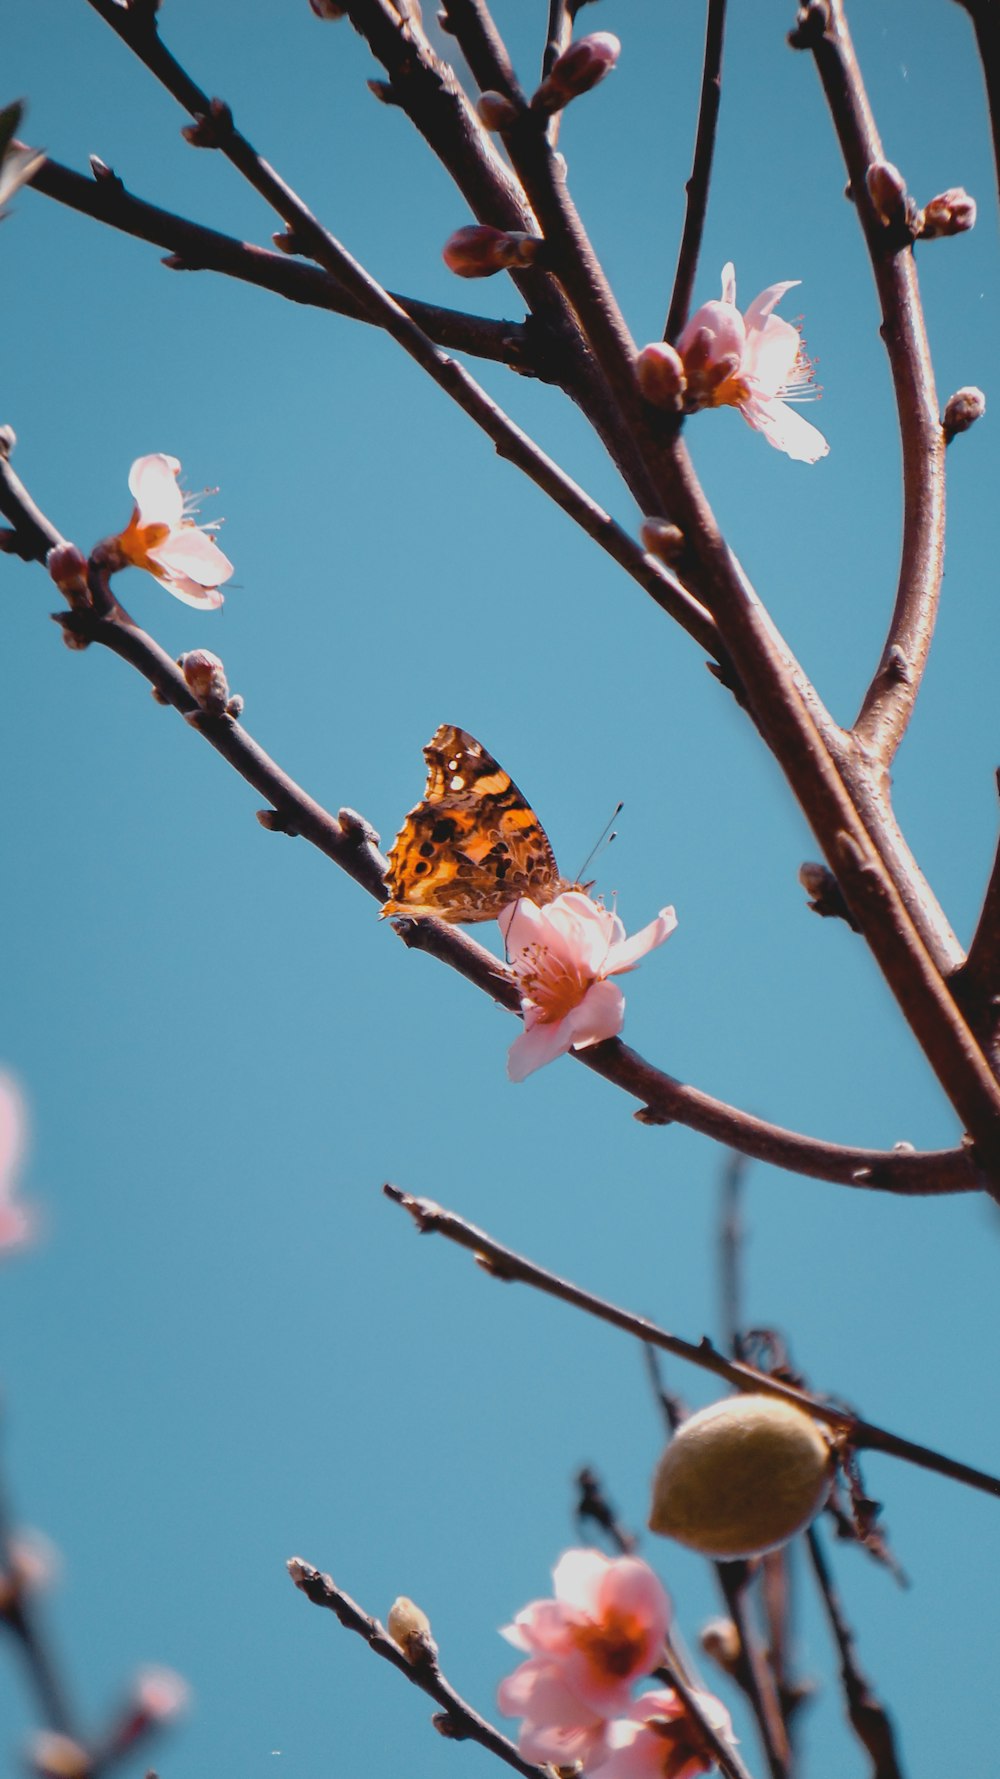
x=211, y=128
x=651, y=1115
x=105, y=175
x=277, y=823
x=356, y=829
x=811, y=23
x=449, y=1727
x=825, y=895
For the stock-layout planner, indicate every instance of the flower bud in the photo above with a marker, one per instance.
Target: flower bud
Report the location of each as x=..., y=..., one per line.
x=741, y=1477
x=887, y=190
x=495, y=111
x=205, y=678
x=963, y=409
x=659, y=370
x=54, y=1756
x=479, y=250
x=950, y=213
x=662, y=539
x=68, y=567
x=161, y=1694
x=327, y=9
x=31, y=1559
x=721, y=1642
x=582, y=66
x=411, y=1629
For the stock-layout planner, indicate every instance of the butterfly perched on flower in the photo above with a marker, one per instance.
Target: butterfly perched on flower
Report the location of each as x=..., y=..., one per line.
x=472, y=846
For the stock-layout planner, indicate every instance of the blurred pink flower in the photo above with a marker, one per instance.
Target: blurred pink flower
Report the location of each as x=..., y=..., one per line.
x=604, y=1629
x=754, y=362
x=18, y=1222
x=561, y=956
x=661, y=1740
x=162, y=537
x=558, y=1727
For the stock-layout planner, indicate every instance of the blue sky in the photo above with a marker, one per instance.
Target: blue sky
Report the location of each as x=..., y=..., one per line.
x=228, y=1348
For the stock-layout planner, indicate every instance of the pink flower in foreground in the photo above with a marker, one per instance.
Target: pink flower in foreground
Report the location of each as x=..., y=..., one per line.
x=754, y=362
x=17, y=1221
x=661, y=1740
x=162, y=537
x=558, y=1727
x=561, y=956
x=604, y=1629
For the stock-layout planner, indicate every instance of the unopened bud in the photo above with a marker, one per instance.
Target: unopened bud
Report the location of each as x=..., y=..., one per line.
x=721, y=1642
x=161, y=1693
x=495, y=111
x=327, y=9
x=68, y=567
x=479, y=250
x=53, y=1756
x=950, y=213
x=659, y=369
x=887, y=190
x=963, y=409
x=102, y=172
x=741, y=1477
x=210, y=127
x=205, y=678
x=662, y=539
x=582, y=66
x=31, y=1563
x=411, y=1629
x=810, y=24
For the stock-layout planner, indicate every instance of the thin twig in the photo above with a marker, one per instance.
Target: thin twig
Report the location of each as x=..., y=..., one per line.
x=21, y=1620
x=867, y=1716
x=701, y=171
x=889, y=701
x=197, y=249
x=725, y=1754
x=503, y=1263
x=461, y=1723
x=986, y=24
x=731, y=1232
x=976, y=984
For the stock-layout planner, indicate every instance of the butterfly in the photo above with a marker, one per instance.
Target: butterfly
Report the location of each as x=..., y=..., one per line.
x=472, y=846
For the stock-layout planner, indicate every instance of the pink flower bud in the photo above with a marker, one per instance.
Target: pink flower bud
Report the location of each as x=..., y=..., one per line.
x=161, y=1694
x=495, y=111
x=887, y=190
x=659, y=369
x=950, y=213
x=53, y=1756
x=479, y=250
x=205, y=677
x=582, y=66
x=963, y=409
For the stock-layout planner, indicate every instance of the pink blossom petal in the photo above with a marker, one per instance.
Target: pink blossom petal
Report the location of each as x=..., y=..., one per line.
x=729, y=283
x=762, y=305
x=630, y=1589
x=203, y=598
x=627, y=952
x=154, y=486
x=544, y=1627
x=191, y=554
x=784, y=428
x=13, y=1131
x=558, y=1726
x=772, y=354
x=579, y=1577
x=537, y=1045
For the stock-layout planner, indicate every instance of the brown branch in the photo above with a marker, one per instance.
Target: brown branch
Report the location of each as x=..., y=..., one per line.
x=21, y=1619
x=986, y=24
x=351, y=843
x=888, y=703
x=701, y=172
x=510, y=441
x=867, y=1716
x=503, y=1263
x=726, y=1757
x=106, y=199
x=461, y=1722
x=976, y=985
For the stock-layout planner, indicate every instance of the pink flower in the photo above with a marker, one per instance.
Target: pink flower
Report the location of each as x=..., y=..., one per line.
x=603, y=1630
x=18, y=1222
x=754, y=362
x=558, y=1727
x=162, y=537
x=662, y=1740
x=561, y=956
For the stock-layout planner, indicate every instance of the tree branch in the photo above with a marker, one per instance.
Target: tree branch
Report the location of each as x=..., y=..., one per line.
x=986, y=24
x=197, y=248
x=461, y=1723
x=867, y=1716
x=888, y=703
x=502, y=1263
x=701, y=172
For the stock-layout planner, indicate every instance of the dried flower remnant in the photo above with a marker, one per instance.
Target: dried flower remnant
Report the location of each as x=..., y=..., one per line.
x=754, y=362
x=741, y=1477
x=162, y=537
x=662, y=1739
x=562, y=956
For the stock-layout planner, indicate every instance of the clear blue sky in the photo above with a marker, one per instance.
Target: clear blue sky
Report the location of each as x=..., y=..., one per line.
x=229, y=1349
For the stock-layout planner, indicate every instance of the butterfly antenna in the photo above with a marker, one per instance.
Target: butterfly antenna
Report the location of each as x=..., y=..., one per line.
x=608, y=833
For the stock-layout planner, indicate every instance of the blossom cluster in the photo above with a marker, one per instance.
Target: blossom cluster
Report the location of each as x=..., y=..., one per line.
x=604, y=1630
